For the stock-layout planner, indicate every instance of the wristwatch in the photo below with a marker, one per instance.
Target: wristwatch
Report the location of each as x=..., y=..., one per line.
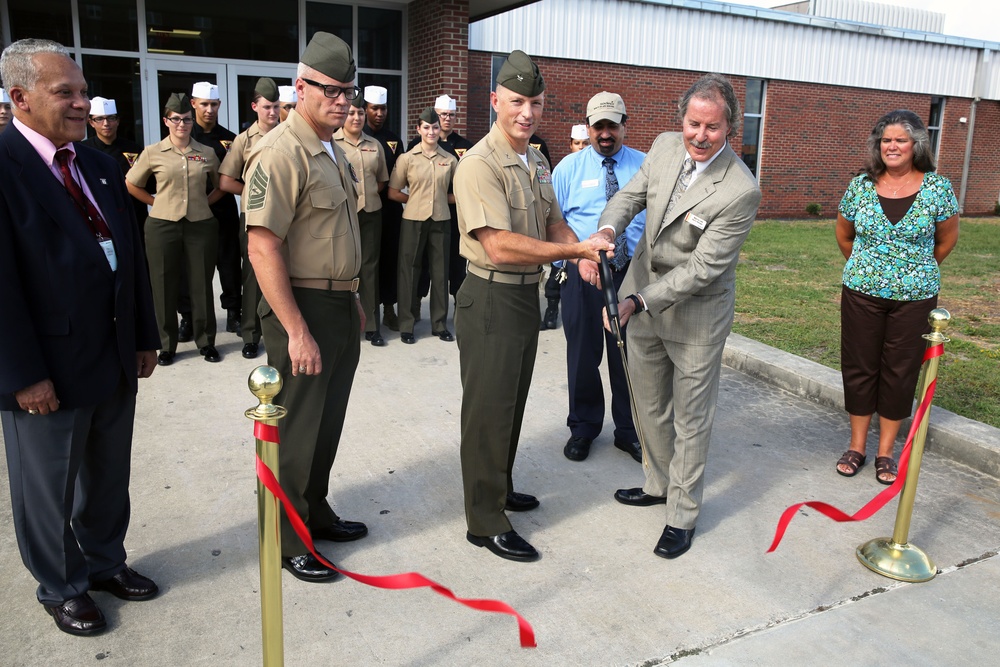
x=637, y=301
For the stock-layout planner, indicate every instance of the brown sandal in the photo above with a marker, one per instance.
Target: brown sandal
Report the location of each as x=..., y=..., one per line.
x=853, y=460
x=885, y=465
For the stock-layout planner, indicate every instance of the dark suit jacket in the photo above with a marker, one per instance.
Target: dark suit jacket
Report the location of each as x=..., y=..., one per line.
x=67, y=316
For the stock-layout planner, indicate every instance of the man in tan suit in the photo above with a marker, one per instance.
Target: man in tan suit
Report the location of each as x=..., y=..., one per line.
x=700, y=202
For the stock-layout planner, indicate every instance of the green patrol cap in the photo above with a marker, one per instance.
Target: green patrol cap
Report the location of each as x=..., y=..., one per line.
x=267, y=89
x=329, y=55
x=521, y=75
x=429, y=116
x=178, y=103
x=358, y=102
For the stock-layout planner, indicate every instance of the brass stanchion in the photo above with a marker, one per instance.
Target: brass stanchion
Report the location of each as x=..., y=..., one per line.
x=265, y=383
x=894, y=557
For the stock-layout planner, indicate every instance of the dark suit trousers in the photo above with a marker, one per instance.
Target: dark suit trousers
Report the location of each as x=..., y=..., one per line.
x=317, y=405
x=497, y=330
x=586, y=340
x=69, y=473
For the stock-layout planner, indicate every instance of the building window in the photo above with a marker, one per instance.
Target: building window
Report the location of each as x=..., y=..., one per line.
x=109, y=24
x=753, y=124
x=380, y=38
x=118, y=79
x=934, y=122
x=43, y=19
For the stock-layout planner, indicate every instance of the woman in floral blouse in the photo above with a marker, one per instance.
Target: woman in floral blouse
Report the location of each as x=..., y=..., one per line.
x=897, y=222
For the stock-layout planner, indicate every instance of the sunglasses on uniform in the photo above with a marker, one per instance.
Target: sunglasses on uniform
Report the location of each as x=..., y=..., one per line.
x=333, y=92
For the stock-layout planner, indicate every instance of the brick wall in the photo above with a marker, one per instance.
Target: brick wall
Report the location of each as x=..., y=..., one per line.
x=814, y=135
x=437, y=58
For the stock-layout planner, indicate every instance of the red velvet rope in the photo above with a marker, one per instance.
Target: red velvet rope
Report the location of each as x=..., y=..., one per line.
x=393, y=581
x=879, y=501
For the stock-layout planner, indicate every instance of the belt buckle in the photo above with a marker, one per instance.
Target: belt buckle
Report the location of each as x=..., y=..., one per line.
x=354, y=284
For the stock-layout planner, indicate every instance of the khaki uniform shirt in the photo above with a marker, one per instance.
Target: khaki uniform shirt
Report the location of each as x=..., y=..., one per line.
x=181, y=177
x=368, y=159
x=428, y=179
x=493, y=188
x=239, y=153
x=295, y=189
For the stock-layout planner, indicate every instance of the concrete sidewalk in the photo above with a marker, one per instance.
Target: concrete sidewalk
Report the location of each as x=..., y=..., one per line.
x=597, y=597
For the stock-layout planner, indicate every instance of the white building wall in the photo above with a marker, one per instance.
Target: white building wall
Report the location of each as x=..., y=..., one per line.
x=703, y=36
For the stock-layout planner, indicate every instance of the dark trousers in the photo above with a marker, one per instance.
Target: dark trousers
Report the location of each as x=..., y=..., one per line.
x=881, y=351
x=69, y=473
x=586, y=341
x=250, y=320
x=414, y=237
x=317, y=404
x=389, y=257
x=175, y=249
x=456, y=263
x=227, y=259
x=371, y=247
x=497, y=331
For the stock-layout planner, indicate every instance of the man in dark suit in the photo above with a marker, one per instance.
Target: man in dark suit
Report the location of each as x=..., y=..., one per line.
x=78, y=331
x=679, y=295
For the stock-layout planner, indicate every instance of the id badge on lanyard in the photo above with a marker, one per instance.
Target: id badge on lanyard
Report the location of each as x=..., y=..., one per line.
x=108, y=246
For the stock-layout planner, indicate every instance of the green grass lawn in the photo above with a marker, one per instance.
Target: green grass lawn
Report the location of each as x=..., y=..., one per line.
x=788, y=296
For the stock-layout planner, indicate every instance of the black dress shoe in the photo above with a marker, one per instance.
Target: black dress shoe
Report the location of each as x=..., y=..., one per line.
x=210, y=353
x=551, y=315
x=369, y=334
x=78, y=616
x=673, y=542
x=128, y=585
x=636, y=496
x=507, y=545
x=233, y=321
x=165, y=358
x=407, y=338
x=341, y=531
x=520, y=502
x=308, y=568
x=250, y=350
x=445, y=335
x=184, y=330
x=577, y=448
x=633, y=449
x=377, y=340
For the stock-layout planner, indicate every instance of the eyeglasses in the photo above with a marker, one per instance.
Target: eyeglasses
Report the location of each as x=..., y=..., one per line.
x=333, y=92
x=113, y=118
x=446, y=114
x=177, y=120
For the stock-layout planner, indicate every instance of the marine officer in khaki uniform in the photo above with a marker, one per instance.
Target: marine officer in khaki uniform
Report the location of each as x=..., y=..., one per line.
x=265, y=104
x=368, y=160
x=510, y=225
x=305, y=245
x=427, y=171
x=180, y=228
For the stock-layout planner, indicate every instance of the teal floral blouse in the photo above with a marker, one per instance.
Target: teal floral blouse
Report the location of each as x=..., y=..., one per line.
x=896, y=261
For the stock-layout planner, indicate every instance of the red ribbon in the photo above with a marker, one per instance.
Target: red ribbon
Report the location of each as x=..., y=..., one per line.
x=879, y=501
x=269, y=433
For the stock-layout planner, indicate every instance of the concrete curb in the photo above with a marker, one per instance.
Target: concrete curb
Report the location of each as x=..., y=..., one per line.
x=963, y=440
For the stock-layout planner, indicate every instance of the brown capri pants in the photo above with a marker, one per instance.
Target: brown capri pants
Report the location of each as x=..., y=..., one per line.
x=881, y=352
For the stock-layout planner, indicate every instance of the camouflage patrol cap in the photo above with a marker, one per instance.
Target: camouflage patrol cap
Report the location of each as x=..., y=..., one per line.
x=429, y=116
x=329, y=55
x=178, y=103
x=521, y=75
x=267, y=88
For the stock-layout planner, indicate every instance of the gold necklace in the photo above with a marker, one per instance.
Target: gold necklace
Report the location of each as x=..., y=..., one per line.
x=885, y=184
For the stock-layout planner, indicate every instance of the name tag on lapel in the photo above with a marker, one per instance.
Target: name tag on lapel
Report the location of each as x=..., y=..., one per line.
x=695, y=221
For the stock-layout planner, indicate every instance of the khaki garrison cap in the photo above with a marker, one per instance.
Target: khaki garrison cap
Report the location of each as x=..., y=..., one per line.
x=520, y=74
x=430, y=116
x=267, y=89
x=178, y=103
x=329, y=55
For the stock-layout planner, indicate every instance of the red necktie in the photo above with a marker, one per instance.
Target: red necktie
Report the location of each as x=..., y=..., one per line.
x=86, y=207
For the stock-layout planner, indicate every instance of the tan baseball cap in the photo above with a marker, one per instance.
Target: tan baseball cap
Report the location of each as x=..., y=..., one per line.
x=606, y=106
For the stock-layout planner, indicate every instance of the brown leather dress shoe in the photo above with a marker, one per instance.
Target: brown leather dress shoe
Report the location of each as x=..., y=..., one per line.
x=78, y=616
x=128, y=585
x=341, y=531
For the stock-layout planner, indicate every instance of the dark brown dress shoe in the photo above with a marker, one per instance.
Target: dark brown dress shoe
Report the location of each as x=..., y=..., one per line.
x=128, y=585
x=507, y=545
x=633, y=449
x=673, y=542
x=308, y=568
x=78, y=616
x=341, y=531
x=577, y=448
x=520, y=502
x=636, y=496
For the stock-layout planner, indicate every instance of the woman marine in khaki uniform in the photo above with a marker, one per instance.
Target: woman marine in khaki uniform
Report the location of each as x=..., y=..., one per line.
x=180, y=224
x=427, y=170
x=368, y=161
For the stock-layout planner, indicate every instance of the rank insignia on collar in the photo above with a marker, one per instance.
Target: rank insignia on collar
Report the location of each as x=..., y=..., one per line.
x=131, y=158
x=226, y=144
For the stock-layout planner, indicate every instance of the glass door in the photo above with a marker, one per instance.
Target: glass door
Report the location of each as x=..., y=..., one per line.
x=171, y=76
x=242, y=79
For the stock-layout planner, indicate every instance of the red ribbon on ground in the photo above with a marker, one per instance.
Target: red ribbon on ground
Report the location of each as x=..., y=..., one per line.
x=879, y=501
x=393, y=581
